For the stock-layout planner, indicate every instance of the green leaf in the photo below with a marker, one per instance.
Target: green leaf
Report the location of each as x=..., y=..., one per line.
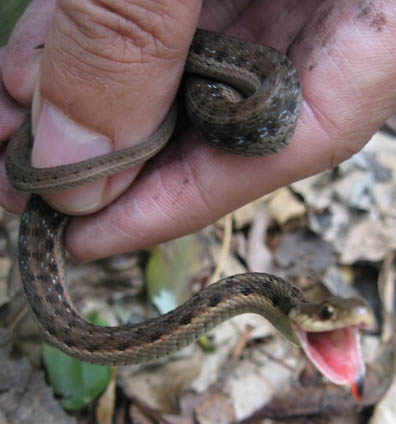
x=10, y=11
x=75, y=381
x=171, y=268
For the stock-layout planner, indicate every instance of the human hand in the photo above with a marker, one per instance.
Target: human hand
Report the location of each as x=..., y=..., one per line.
x=110, y=74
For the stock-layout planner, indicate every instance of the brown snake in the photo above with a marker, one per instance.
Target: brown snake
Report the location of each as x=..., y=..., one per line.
x=255, y=117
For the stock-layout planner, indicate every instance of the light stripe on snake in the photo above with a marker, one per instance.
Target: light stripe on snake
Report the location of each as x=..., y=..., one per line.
x=255, y=117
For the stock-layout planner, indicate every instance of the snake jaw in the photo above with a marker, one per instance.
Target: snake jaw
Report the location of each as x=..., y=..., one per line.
x=337, y=355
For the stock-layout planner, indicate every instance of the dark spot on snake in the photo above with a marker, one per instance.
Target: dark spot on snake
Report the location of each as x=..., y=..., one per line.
x=241, y=61
x=246, y=291
x=38, y=256
x=69, y=342
x=91, y=348
x=42, y=276
x=49, y=244
x=28, y=276
x=168, y=319
x=256, y=68
x=292, y=106
x=37, y=299
x=275, y=300
x=220, y=57
x=59, y=288
x=271, y=128
x=59, y=312
x=214, y=300
x=35, y=232
x=53, y=267
x=185, y=319
x=38, y=312
x=197, y=48
x=155, y=336
x=50, y=329
x=217, y=37
x=122, y=346
x=140, y=332
x=195, y=299
x=23, y=252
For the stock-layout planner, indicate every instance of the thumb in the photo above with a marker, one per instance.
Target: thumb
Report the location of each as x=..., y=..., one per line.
x=108, y=76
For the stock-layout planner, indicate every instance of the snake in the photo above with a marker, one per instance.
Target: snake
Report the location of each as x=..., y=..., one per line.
x=244, y=98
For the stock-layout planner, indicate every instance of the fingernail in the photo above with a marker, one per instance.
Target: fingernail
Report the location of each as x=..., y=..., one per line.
x=61, y=141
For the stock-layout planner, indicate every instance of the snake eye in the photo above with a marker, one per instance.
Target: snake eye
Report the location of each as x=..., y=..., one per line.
x=327, y=311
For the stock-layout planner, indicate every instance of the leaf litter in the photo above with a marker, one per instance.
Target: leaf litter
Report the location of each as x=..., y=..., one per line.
x=336, y=228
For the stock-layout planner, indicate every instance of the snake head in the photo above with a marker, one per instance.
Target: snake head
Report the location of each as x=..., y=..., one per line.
x=328, y=332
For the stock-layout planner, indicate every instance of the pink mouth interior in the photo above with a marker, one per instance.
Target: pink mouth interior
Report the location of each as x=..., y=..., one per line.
x=336, y=354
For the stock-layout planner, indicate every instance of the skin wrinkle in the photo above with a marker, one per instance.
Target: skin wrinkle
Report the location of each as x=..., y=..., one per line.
x=153, y=173
x=204, y=195
x=309, y=108
x=134, y=36
x=70, y=18
x=10, y=114
x=211, y=19
x=203, y=180
x=108, y=61
x=367, y=11
x=124, y=72
x=320, y=107
x=148, y=26
x=151, y=207
x=322, y=118
x=155, y=29
x=122, y=223
x=104, y=68
x=239, y=14
x=101, y=17
x=161, y=187
x=346, y=148
x=292, y=6
x=174, y=193
x=310, y=35
x=261, y=31
x=145, y=209
x=350, y=82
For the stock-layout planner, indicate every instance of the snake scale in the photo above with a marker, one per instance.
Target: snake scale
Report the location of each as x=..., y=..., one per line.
x=244, y=98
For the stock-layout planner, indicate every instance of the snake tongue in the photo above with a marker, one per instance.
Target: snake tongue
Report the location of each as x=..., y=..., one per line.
x=337, y=355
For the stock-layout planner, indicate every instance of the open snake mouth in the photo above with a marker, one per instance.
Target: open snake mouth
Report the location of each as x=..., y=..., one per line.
x=337, y=355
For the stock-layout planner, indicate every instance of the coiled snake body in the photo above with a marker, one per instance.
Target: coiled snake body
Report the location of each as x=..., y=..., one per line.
x=255, y=117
